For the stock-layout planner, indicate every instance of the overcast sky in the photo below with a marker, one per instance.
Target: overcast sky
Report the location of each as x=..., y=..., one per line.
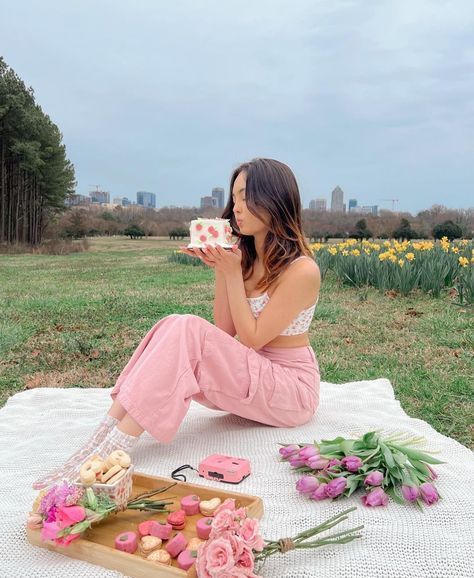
x=374, y=96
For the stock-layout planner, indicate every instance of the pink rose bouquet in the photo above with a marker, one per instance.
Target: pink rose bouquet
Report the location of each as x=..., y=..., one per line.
x=383, y=467
x=235, y=548
x=64, y=511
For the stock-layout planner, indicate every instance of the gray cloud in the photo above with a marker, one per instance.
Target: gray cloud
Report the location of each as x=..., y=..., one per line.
x=170, y=96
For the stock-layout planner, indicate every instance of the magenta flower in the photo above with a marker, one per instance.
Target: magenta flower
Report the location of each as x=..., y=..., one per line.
x=319, y=493
x=376, y=497
x=296, y=461
x=317, y=463
x=333, y=463
x=352, y=463
x=288, y=451
x=375, y=478
x=433, y=474
x=428, y=493
x=308, y=452
x=335, y=487
x=307, y=484
x=410, y=493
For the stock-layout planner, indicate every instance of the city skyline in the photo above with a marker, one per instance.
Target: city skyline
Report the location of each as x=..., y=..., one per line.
x=375, y=97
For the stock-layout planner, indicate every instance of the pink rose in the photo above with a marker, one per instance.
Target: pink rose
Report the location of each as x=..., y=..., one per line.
x=224, y=520
x=215, y=558
x=228, y=504
x=249, y=534
x=246, y=559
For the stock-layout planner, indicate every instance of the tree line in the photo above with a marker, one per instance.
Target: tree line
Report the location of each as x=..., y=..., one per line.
x=173, y=222
x=35, y=174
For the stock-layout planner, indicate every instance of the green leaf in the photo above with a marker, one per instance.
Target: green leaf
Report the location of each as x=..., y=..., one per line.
x=391, y=492
x=387, y=454
x=421, y=467
x=417, y=455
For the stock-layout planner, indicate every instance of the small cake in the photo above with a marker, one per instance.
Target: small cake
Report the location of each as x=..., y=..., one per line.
x=190, y=504
x=176, y=545
x=210, y=232
x=177, y=519
x=203, y=528
x=186, y=559
x=161, y=529
x=209, y=507
x=149, y=543
x=126, y=542
x=159, y=557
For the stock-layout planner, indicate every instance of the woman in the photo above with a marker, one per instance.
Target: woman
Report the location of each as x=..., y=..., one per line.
x=266, y=290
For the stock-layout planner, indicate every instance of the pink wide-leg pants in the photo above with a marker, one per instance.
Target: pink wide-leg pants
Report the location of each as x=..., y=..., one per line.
x=184, y=358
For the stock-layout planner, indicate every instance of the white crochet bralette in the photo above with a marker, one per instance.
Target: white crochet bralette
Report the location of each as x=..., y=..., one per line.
x=300, y=324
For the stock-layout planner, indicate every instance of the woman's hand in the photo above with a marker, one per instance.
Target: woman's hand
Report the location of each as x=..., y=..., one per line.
x=198, y=253
x=227, y=261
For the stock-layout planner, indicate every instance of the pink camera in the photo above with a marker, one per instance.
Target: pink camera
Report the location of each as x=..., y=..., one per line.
x=224, y=468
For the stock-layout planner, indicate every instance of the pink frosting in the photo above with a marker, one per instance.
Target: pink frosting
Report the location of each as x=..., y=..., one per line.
x=176, y=545
x=186, y=559
x=161, y=529
x=203, y=527
x=190, y=504
x=126, y=542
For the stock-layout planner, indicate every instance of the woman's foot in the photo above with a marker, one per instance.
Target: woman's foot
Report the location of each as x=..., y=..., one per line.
x=77, y=459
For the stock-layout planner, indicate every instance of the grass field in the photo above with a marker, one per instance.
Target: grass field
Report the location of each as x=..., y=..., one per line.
x=74, y=321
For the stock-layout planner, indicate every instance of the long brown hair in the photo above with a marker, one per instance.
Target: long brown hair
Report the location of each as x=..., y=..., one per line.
x=270, y=188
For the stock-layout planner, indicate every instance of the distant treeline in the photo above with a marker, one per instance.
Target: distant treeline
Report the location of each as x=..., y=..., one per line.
x=94, y=220
x=35, y=174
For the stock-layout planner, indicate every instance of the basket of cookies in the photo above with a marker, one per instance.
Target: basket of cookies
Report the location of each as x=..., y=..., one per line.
x=112, y=475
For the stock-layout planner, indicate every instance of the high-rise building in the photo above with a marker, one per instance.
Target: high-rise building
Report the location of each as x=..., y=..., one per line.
x=352, y=206
x=146, y=199
x=218, y=194
x=318, y=205
x=337, y=200
x=208, y=202
x=100, y=196
x=77, y=199
x=369, y=210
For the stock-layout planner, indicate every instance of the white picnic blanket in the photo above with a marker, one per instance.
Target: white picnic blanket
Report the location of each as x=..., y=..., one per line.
x=40, y=428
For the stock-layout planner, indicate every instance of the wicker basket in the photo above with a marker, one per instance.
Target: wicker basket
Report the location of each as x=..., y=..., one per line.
x=118, y=492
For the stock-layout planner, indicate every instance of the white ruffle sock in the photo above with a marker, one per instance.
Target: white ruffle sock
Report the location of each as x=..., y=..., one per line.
x=115, y=440
x=76, y=460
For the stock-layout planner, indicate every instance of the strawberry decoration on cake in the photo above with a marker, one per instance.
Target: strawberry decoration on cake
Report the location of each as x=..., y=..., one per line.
x=211, y=232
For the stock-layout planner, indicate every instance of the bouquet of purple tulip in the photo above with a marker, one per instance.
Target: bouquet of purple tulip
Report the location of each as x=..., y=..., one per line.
x=382, y=466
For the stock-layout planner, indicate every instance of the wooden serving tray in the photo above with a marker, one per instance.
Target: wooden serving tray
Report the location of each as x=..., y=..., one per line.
x=97, y=544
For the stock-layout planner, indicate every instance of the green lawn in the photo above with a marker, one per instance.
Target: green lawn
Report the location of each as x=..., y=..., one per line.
x=74, y=321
